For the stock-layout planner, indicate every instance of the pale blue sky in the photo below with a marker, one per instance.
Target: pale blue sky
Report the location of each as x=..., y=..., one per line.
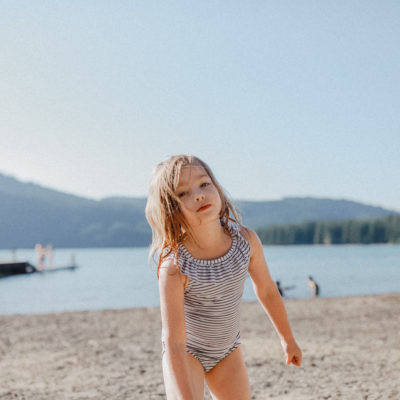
x=281, y=98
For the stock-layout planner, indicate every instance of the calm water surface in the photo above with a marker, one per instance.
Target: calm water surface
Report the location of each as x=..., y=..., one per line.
x=116, y=278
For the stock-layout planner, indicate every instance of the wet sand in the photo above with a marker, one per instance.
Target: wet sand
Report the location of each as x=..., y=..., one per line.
x=351, y=351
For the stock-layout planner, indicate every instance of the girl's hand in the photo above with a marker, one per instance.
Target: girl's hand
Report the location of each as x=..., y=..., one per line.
x=292, y=352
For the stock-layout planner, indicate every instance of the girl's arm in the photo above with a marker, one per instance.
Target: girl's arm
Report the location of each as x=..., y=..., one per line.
x=269, y=297
x=171, y=286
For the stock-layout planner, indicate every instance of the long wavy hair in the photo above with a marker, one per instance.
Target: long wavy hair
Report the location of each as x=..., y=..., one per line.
x=163, y=208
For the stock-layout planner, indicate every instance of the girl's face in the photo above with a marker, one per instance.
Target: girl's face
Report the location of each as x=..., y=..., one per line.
x=200, y=199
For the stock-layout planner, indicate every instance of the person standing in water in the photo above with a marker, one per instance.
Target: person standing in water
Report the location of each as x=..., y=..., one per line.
x=279, y=287
x=204, y=255
x=313, y=286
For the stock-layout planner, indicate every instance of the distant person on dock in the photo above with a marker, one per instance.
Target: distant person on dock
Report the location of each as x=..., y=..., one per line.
x=313, y=286
x=204, y=256
x=41, y=256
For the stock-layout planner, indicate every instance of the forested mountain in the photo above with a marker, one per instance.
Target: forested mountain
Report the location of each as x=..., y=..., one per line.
x=30, y=213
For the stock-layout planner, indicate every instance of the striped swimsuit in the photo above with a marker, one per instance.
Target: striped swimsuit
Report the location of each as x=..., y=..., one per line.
x=212, y=301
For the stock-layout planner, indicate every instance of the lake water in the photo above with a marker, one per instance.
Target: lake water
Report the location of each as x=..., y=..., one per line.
x=114, y=278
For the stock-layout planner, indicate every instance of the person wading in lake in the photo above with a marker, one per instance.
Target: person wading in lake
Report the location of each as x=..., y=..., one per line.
x=313, y=286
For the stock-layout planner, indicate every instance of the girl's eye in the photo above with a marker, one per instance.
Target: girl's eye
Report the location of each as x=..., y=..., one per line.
x=181, y=194
x=204, y=184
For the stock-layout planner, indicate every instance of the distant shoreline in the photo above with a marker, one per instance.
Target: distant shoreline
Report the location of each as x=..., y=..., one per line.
x=354, y=231
x=267, y=245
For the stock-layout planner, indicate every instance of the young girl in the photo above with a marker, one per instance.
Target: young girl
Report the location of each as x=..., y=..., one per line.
x=204, y=257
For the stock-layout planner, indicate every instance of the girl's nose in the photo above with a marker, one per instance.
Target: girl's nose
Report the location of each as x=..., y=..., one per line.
x=199, y=196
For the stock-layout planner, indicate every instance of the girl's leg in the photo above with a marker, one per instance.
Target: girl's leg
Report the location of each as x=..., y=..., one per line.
x=228, y=380
x=197, y=375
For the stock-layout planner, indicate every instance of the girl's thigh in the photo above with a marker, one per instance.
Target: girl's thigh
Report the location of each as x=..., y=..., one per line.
x=196, y=373
x=228, y=380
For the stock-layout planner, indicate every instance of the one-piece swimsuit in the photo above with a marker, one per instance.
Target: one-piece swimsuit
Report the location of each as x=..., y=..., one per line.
x=212, y=300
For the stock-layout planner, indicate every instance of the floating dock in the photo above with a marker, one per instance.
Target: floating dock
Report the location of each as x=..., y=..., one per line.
x=16, y=267
x=24, y=267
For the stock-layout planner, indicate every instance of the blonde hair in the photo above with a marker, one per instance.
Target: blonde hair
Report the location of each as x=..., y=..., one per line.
x=163, y=210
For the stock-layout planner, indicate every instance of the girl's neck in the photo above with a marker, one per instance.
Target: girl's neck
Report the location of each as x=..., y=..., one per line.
x=210, y=241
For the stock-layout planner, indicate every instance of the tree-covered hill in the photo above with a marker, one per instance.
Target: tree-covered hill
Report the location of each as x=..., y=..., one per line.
x=30, y=213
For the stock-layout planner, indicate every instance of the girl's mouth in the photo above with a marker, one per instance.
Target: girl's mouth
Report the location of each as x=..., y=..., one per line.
x=204, y=207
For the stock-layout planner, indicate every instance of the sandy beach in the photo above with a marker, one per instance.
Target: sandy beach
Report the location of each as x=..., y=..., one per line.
x=350, y=345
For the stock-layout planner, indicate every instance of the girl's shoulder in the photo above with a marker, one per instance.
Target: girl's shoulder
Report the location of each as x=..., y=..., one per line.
x=167, y=252
x=246, y=232
x=250, y=236
x=169, y=256
x=237, y=229
x=170, y=268
x=171, y=277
